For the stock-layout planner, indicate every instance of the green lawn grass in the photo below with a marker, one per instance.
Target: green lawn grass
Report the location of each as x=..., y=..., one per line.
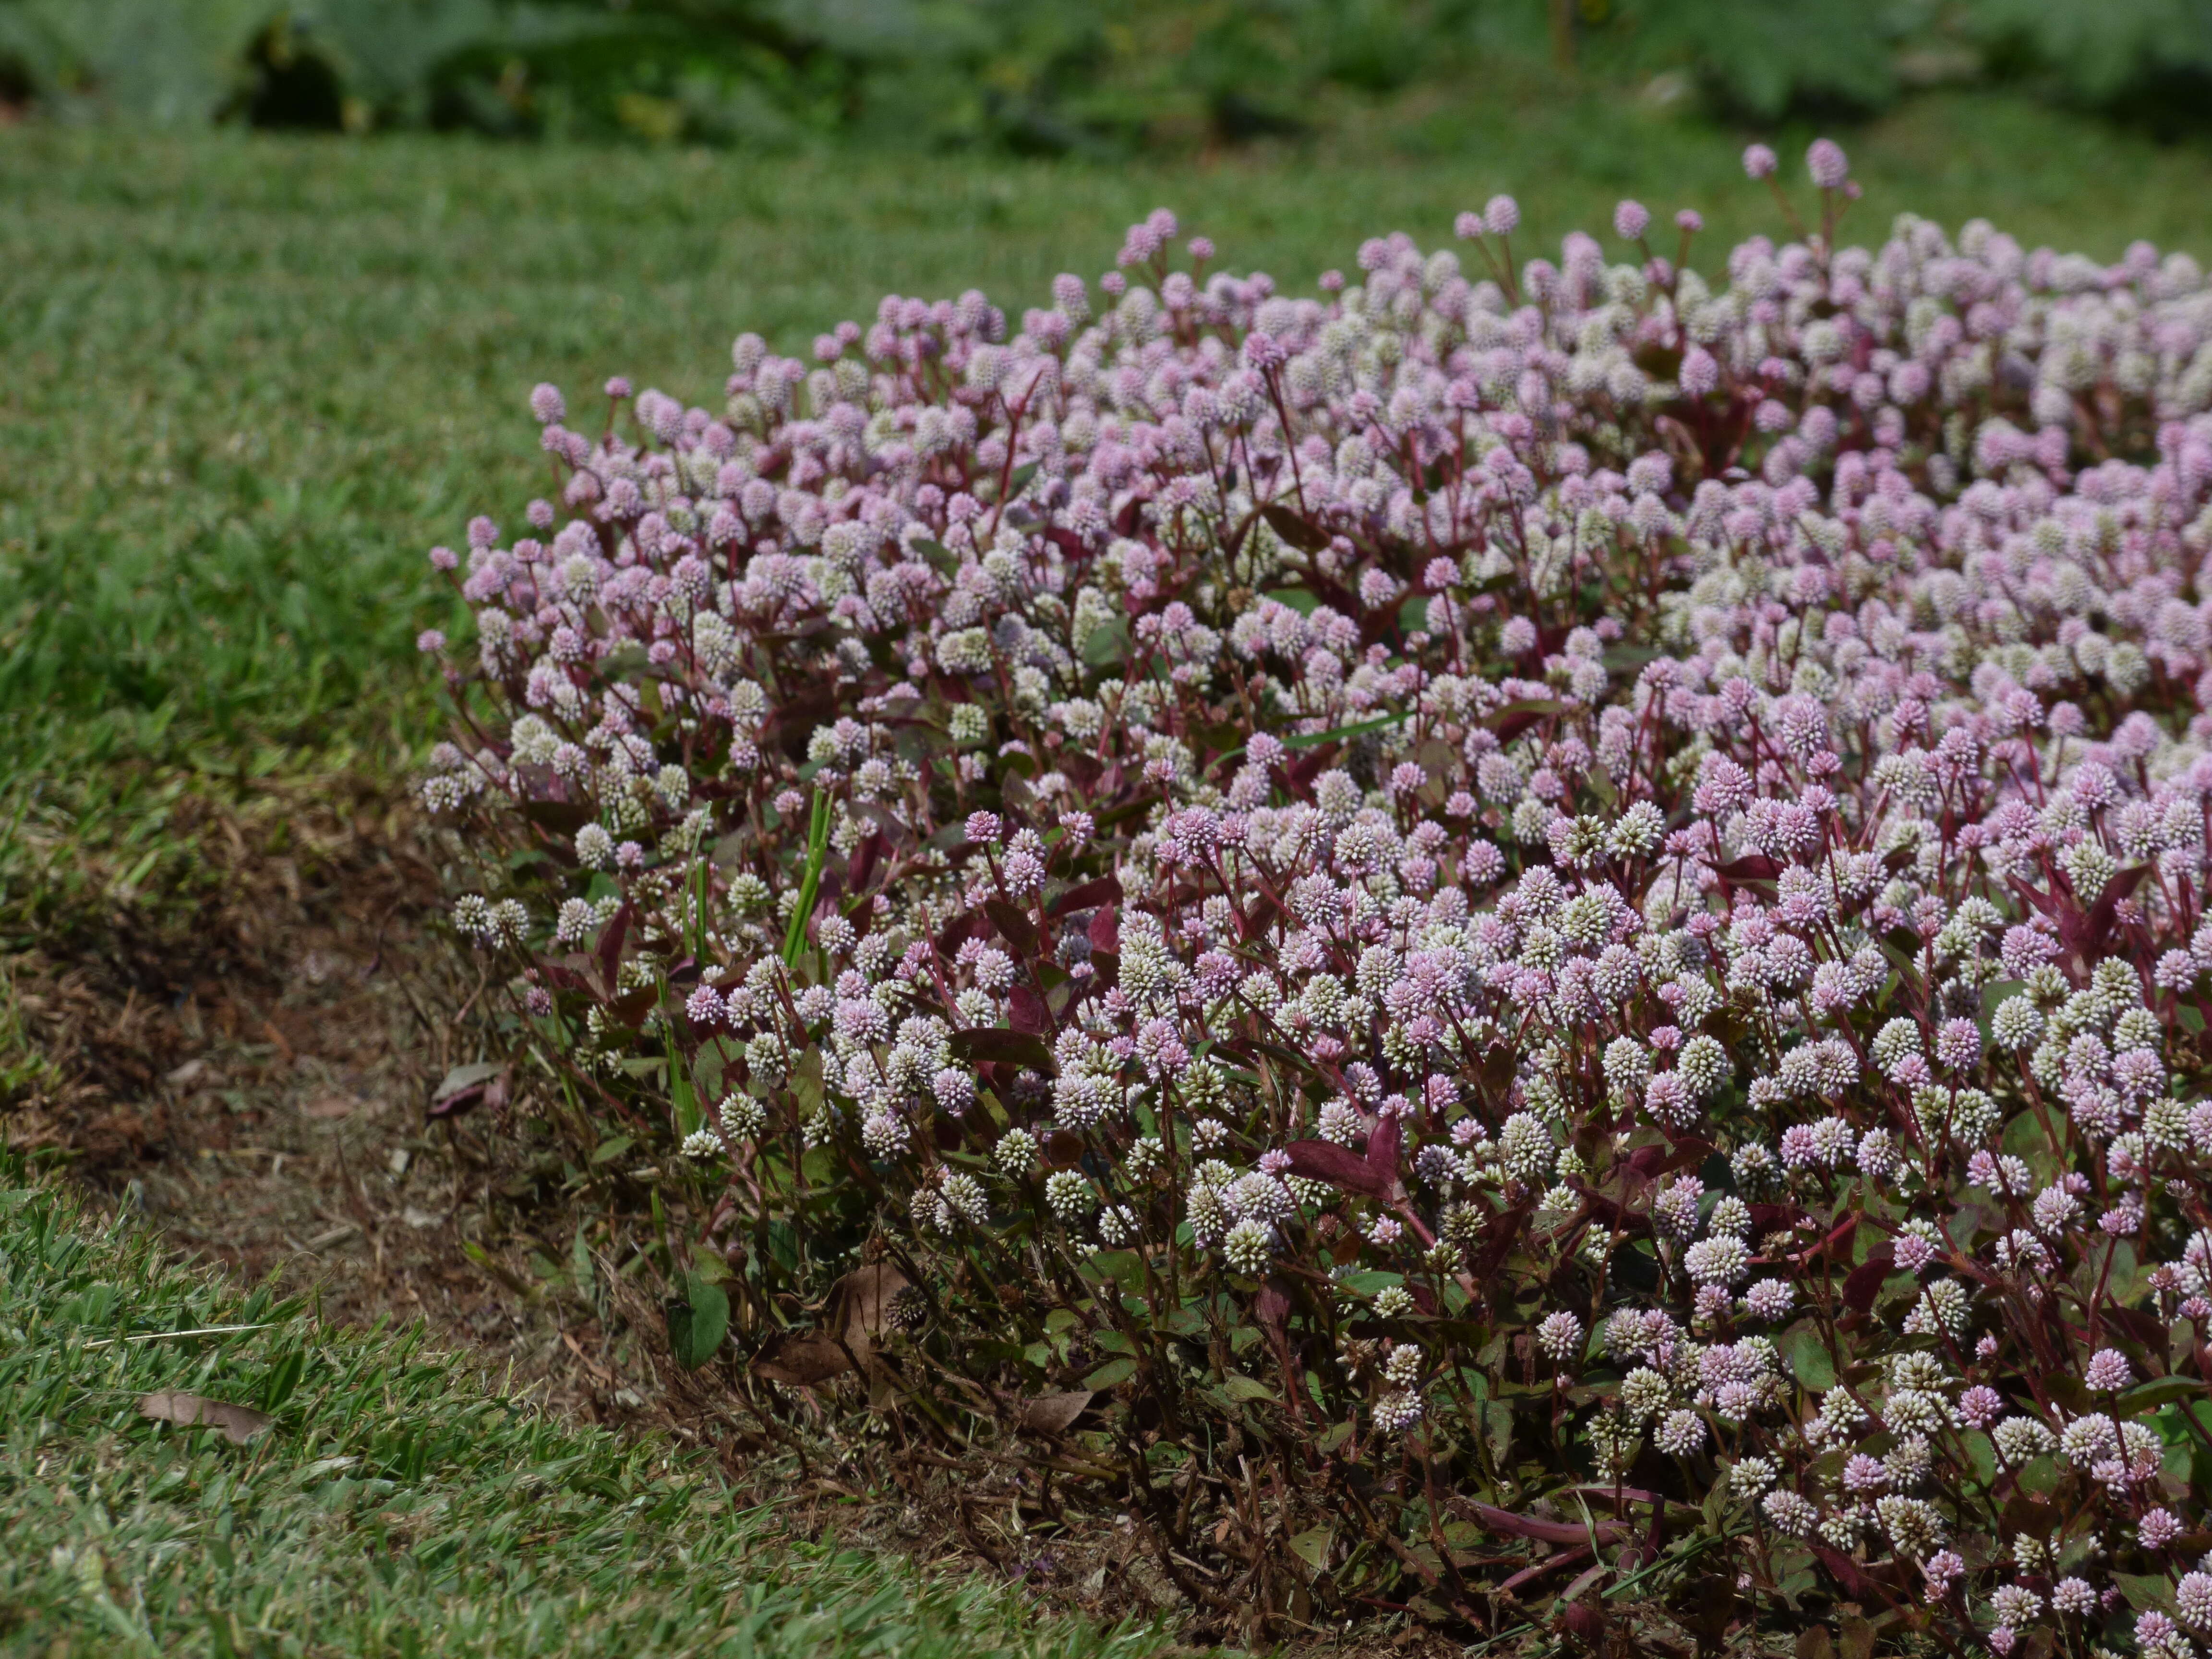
x=252, y=379
x=396, y=1505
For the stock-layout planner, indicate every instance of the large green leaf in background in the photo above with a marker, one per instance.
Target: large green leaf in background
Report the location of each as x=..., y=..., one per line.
x=2101, y=49
x=165, y=61
x=1762, y=56
x=1057, y=76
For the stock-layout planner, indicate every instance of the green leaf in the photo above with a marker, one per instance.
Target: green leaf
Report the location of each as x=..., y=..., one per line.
x=937, y=553
x=580, y=1266
x=682, y=1099
x=611, y=1148
x=1297, y=598
x=817, y=842
x=2040, y=1476
x=1125, y=1267
x=1808, y=1356
x=1497, y=1430
x=2144, y=1591
x=625, y=660
x=2159, y=1391
x=1369, y=1281
x=1312, y=1547
x=698, y=1322
x=1246, y=1387
x=1982, y=1455
x=1113, y=1371
x=1313, y=739
x=1107, y=644
x=283, y=1378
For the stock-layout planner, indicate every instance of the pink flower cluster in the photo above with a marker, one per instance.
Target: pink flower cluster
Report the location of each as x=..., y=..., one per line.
x=1564, y=881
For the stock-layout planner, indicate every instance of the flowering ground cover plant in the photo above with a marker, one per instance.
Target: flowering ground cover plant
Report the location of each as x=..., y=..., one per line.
x=1524, y=934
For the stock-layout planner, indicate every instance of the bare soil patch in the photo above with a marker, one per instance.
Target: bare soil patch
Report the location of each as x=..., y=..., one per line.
x=250, y=1070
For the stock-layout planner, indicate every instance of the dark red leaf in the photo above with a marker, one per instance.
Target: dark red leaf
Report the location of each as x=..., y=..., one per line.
x=610, y=948
x=1383, y=1152
x=1271, y=1309
x=957, y=932
x=1772, y=1219
x=1299, y=773
x=630, y=1009
x=1107, y=890
x=1852, y=1576
x=1105, y=930
x=861, y=868
x=1026, y=1012
x=2047, y=902
x=1653, y=1162
x=2146, y=1328
x=1013, y=925
x=563, y=818
x=1585, y=1622
x=1342, y=1168
x=2087, y=937
x=1513, y=725
x=996, y=1043
x=1864, y=1281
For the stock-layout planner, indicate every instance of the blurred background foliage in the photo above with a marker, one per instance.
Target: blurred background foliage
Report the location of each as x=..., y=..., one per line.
x=1058, y=76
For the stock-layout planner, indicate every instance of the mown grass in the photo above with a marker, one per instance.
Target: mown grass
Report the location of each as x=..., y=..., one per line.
x=252, y=379
x=396, y=1505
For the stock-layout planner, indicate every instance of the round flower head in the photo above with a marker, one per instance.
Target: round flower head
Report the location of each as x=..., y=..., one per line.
x=1560, y=1335
x=2108, y=1369
x=1826, y=161
x=1759, y=161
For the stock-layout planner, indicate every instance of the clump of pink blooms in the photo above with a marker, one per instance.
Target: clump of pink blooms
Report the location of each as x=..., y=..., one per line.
x=1522, y=886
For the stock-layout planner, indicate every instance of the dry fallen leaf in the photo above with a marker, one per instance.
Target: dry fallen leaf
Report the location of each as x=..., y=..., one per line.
x=862, y=1302
x=330, y=1106
x=801, y=1359
x=859, y=1315
x=239, y=1424
x=1051, y=1414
